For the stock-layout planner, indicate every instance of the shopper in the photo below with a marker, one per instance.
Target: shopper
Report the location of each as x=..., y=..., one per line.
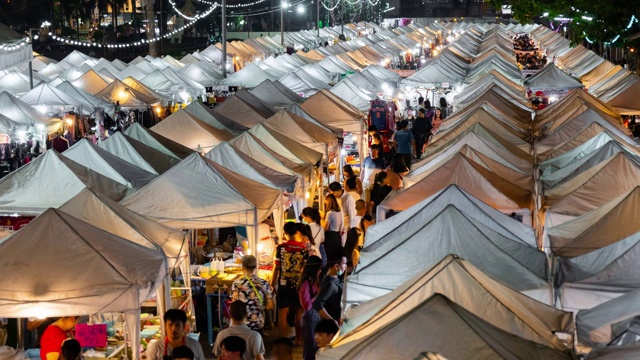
x=174, y=326
x=287, y=267
x=372, y=165
x=333, y=226
x=253, y=291
x=71, y=350
x=253, y=340
x=308, y=288
x=54, y=335
x=327, y=302
x=311, y=216
x=232, y=348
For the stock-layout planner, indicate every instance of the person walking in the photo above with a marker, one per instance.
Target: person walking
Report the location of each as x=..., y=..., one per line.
x=254, y=344
x=421, y=128
x=404, y=143
x=253, y=291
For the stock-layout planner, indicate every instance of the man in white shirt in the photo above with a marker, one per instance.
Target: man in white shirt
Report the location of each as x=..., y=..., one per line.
x=174, y=321
x=255, y=345
x=347, y=204
x=372, y=165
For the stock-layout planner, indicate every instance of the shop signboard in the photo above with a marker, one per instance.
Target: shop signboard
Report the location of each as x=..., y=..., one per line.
x=94, y=335
x=403, y=73
x=14, y=223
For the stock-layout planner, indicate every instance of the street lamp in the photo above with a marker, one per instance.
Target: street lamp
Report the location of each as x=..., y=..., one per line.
x=283, y=5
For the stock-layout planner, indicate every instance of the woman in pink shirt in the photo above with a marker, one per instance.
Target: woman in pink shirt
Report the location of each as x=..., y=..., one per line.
x=308, y=287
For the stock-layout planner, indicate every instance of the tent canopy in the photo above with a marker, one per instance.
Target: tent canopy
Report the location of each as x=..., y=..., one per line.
x=158, y=142
x=395, y=318
x=395, y=248
x=198, y=193
x=110, y=216
x=50, y=181
x=552, y=78
x=88, y=270
x=138, y=154
x=101, y=161
x=187, y=130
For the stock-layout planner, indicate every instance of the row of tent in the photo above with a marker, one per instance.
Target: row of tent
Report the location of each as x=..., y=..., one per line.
x=610, y=83
x=507, y=298
x=510, y=289
x=135, y=188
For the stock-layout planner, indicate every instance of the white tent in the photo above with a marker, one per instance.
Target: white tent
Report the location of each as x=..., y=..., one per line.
x=76, y=58
x=276, y=94
x=158, y=142
x=479, y=318
x=90, y=82
x=23, y=113
x=552, y=78
x=191, y=132
x=198, y=193
x=88, y=271
x=49, y=181
x=233, y=159
x=138, y=154
x=109, y=165
x=250, y=76
x=241, y=112
x=406, y=244
x=249, y=145
x=217, y=120
x=16, y=83
x=128, y=97
x=45, y=95
x=15, y=49
x=110, y=216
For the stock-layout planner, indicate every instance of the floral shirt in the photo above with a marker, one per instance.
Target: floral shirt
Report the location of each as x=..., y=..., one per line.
x=243, y=290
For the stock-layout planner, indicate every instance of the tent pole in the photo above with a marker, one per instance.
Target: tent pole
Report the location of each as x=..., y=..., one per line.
x=30, y=75
x=253, y=244
x=224, y=38
x=20, y=344
x=321, y=196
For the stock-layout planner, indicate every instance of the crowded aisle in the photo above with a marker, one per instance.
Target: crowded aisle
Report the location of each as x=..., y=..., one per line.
x=320, y=204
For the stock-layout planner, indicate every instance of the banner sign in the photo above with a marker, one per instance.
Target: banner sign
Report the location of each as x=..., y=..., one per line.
x=403, y=73
x=14, y=223
x=92, y=335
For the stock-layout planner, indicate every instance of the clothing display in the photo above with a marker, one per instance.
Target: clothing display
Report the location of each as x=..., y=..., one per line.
x=378, y=114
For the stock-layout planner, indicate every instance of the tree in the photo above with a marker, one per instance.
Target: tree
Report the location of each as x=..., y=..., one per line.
x=597, y=20
x=149, y=6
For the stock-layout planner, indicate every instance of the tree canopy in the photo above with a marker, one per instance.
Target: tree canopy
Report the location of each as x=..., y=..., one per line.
x=607, y=21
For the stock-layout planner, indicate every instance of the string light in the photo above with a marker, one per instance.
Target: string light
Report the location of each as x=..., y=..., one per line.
x=7, y=47
x=236, y=5
x=143, y=41
x=173, y=5
x=330, y=9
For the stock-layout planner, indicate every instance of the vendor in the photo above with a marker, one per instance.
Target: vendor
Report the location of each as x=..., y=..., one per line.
x=54, y=336
x=174, y=322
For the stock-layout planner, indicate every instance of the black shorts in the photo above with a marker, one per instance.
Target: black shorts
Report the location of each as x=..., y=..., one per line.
x=287, y=297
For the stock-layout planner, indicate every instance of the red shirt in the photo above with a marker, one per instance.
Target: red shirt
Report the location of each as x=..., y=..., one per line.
x=51, y=340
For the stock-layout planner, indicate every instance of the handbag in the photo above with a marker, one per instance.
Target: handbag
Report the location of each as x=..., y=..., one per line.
x=269, y=303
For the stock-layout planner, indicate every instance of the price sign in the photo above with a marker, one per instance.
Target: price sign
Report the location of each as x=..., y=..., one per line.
x=92, y=335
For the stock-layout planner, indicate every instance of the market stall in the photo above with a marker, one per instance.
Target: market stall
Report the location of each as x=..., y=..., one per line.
x=88, y=271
